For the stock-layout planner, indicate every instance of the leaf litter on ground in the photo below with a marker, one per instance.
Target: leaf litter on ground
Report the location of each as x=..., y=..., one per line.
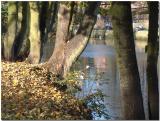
x=29, y=91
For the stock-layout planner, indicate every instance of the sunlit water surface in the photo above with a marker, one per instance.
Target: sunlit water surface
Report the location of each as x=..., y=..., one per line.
x=98, y=63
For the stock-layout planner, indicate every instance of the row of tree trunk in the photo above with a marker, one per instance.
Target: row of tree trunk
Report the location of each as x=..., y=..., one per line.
x=70, y=48
x=26, y=37
x=131, y=95
x=26, y=32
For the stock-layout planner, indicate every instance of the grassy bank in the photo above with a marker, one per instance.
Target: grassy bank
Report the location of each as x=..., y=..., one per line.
x=139, y=36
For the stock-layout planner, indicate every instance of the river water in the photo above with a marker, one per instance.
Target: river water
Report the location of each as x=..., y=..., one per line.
x=100, y=72
x=98, y=63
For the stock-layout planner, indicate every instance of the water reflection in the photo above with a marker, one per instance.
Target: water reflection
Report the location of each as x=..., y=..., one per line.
x=103, y=75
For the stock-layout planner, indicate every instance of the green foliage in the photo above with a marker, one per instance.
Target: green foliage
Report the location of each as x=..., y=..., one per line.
x=4, y=15
x=78, y=13
x=83, y=4
x=34, y=6
x=71, y=84
x=67, y=3
x=102, y=11
x=117, y=10
x=95, y=102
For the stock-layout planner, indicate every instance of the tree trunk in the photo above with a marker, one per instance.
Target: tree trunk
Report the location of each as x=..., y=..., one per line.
x=4, y=27
x=44, y=15
x=77, y=18
x=131, y=96
x=10, y=36
x=66, y=51
x=21, y=43
x=56, y=61
x=73, y=5
x=52, y=17
x=50, y=32
x=34, y=37
x=79, y=42
x=152, y=58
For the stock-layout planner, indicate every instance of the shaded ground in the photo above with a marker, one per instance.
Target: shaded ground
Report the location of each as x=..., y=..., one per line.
x=30, y=92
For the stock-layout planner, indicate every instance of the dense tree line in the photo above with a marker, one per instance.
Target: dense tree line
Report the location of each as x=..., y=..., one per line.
x=27, y=26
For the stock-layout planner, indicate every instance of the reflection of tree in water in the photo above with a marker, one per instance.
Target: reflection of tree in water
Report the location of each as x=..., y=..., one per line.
x=101, y=75
x=91, y=88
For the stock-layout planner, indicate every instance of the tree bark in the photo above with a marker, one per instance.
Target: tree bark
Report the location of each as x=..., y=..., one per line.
x=55, y=63
x=34, y=36
x=79, y=42
x=53, y=17
x=11, y=33
x=152, y=58
x=21, y=43
x=4, y=27
x=131, y=96
x=44, y=15
x=66, y=51
x=50, y=32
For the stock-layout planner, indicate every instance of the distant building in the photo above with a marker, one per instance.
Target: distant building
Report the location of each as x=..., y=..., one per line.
x=139, y=14
x=139, y=11
x=100, y=23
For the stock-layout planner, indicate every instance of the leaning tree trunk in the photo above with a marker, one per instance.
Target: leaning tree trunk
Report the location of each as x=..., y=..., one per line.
x=56, y=61
x=131, y=96
x=66, y=51
x=152, y=58
x=34, y=36
x=11, y=33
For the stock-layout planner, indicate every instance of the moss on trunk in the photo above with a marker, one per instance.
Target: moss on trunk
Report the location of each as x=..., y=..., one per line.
x=34, y=36
x=11, y=33
x=131, y=96
x=21, y=43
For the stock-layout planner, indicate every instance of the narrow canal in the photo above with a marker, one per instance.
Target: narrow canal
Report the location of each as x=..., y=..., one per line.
x=100, y=72
x=98, y=63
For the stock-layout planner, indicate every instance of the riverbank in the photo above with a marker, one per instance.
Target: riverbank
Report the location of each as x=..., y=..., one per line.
x=140, y=37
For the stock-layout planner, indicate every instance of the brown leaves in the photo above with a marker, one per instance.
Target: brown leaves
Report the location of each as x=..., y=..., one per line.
x=28, y=92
